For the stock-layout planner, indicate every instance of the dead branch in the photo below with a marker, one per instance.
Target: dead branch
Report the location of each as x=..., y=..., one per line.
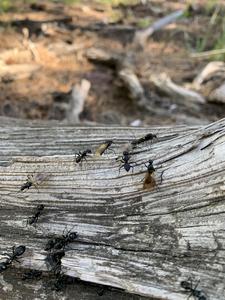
x=141, y=36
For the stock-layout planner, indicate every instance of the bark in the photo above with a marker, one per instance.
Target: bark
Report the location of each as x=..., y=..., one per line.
x=143, y=241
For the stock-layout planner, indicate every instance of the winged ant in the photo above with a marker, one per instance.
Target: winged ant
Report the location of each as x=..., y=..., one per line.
x=33, y=180
x=103, y=147
x=149, y=180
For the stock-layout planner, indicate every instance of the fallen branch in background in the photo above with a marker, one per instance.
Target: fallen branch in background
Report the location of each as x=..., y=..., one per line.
x=141, y=36
x=188, y=98
x=124, y=72
x=77, y=98
x=135, y=88
x=210, y=82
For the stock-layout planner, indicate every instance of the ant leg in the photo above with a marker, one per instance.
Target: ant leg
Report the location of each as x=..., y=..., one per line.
x=121, y=168
x=191, y=294
x=194, y=289
x=30, y=178
x=161, y=177
x=6, y=254
x=35, y=222
x=111, y=151
x=13, y=250
x=27, y=223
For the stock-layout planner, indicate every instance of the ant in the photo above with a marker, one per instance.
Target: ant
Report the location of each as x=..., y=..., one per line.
x=34, y=218
x=62, y=281
x=147, y=137
x=60, y=242
x=54, y=260
x=188, y=286
x=149, y=181
x=125, y=160
x=18, y=251
x=82, y=155
x=32, y=181
x=32, y=274
x=29, y=183
x=103, y=147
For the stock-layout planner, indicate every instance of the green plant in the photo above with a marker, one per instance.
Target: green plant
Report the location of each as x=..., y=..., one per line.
x=5, y=5
x=220, y=43
x=118, y=2
x=144, y=22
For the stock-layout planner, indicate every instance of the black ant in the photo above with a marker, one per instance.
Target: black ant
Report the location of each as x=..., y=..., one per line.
x=103, y=147
x=125, y=160
x=54, y=260
x=62, y=281
x=149, y=180
x=61, y=242
x=147, y=137
x=34, y=218
x=188, y=286
x=82, y=155
x=32, y=274
x=18, y=251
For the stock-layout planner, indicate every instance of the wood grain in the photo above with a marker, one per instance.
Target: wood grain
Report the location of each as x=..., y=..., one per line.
x=145, y=242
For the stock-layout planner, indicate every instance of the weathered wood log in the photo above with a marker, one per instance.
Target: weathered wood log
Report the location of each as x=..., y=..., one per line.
x=143, y=241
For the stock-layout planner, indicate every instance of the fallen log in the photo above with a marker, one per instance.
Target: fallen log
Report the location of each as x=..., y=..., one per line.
x=143, y=241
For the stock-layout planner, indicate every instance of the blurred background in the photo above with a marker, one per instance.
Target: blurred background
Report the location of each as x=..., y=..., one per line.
x=124, y=62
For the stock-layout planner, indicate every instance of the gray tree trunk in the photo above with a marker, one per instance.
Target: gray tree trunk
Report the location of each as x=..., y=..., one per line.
x=143, y=241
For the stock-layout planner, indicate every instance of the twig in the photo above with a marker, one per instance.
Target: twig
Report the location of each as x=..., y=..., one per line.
x=142, y=35
x=77, y=99
x=208, y=53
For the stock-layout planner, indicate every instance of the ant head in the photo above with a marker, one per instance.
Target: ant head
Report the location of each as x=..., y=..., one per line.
x=125, y=153
x=88, y=151
x=150, y=161
x=186, y=285
x=72, y=236
x=40, y=207
x=109, y=142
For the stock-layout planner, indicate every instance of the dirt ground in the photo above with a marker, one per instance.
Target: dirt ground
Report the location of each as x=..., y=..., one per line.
x=41, y=61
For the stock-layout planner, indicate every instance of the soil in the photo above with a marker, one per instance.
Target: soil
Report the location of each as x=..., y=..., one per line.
x=53, y=59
